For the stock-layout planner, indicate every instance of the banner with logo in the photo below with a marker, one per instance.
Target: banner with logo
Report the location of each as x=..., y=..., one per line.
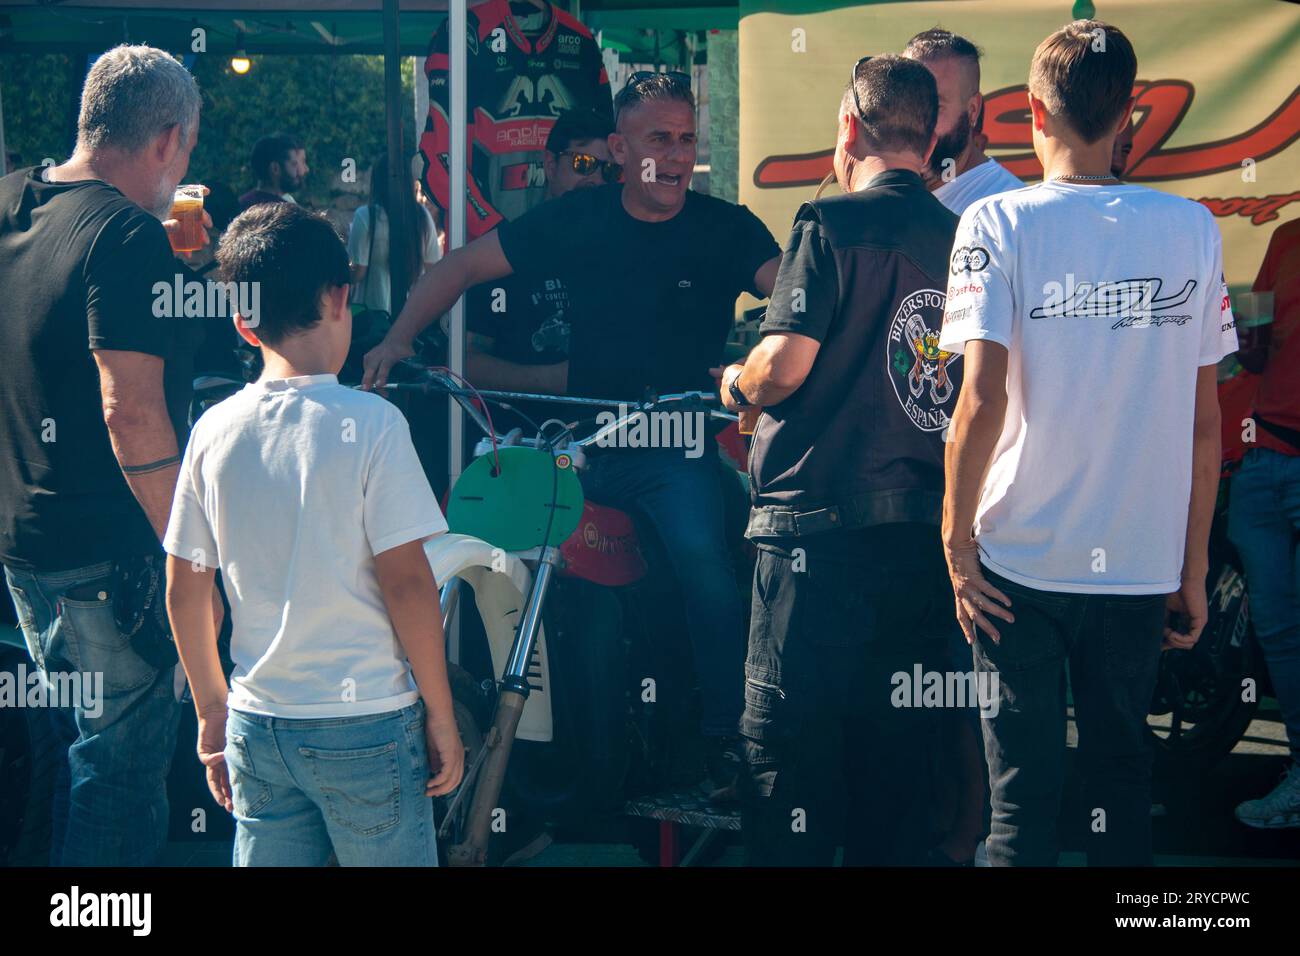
x=1217, y=114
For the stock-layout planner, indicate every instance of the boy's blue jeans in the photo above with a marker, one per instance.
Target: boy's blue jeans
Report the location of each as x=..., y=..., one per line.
x=114, y=741
x=1264, y=524
x=354, y=785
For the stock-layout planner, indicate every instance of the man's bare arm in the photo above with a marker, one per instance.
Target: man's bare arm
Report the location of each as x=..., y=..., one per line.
x=446, y=281
x=776, y=368
x=144, y=441
x=765, y=277
x=486, y=370
x=435, y=292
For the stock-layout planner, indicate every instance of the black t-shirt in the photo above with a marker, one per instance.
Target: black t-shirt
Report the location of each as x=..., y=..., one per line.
x=528, y=321
x=650, y=303
x=78, y=265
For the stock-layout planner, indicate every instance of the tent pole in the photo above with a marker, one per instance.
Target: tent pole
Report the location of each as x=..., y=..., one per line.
x=4, y=153
x=456, y=94
x=398, y=171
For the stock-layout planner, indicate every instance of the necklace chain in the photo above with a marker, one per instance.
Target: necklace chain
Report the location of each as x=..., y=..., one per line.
x=1087, y=178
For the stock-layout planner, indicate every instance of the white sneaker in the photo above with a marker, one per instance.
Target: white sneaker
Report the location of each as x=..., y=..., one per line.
x=1277, y=810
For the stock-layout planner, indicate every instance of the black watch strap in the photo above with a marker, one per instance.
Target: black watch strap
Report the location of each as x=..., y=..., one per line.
x=737, y=394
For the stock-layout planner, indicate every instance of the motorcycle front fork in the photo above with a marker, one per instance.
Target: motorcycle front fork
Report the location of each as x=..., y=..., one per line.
x=500, y=738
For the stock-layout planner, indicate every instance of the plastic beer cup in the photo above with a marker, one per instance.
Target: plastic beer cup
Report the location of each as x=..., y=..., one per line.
x=187, y=209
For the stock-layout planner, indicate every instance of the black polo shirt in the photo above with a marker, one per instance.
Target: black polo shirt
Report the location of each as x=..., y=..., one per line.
x=865, y=275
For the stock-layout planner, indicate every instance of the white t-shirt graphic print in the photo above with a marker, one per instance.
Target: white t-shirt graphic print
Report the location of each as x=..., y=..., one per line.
x=1109, y=299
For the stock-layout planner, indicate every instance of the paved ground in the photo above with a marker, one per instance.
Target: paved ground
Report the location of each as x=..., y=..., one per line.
x=1194, y=825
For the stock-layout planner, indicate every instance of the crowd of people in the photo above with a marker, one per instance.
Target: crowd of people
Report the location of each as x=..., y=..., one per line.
x=989, y=446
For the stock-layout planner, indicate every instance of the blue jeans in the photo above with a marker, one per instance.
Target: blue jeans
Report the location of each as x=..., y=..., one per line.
x=354, y=785
x=115, y=741
x=682, y=498
x=1264, y=524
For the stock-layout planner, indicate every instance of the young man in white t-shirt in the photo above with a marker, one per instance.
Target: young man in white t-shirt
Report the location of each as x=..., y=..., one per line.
x=959, y=172
x=1083, y=455
x=337, y=726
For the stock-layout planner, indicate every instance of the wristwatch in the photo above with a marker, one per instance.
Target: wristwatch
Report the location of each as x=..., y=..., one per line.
x=736, y=394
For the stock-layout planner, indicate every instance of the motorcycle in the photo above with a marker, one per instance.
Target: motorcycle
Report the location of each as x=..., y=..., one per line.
x=592, y=705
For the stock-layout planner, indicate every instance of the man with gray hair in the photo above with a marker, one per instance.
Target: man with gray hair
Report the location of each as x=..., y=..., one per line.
x=959, y=173
x=94, y=381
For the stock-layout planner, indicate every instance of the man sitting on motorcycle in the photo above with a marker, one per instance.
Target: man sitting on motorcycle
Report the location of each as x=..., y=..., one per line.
x=653, y=272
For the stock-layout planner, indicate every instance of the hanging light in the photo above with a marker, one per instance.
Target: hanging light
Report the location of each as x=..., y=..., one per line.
x=240, y=63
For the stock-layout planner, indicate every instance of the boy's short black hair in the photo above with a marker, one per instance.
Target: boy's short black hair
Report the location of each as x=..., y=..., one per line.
x=272, y=149
x=293, y=255
x=900, y=103
x=576, y=126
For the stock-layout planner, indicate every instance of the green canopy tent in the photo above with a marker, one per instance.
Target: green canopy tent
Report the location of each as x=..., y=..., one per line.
x=394, y=28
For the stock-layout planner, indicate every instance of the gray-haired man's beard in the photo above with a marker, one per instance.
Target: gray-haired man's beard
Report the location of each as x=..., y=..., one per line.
x=951, y=144
x=161, y=207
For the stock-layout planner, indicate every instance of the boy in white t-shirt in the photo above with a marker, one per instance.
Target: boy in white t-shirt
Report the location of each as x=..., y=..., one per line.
x=337, y=727
x=1083, y=458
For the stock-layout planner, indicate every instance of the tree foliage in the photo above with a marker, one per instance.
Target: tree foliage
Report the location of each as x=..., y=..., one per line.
x=333, y=104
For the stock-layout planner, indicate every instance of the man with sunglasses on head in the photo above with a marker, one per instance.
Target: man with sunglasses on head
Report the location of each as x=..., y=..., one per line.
x=519, y=337
x=851, y=603
x=653, y=271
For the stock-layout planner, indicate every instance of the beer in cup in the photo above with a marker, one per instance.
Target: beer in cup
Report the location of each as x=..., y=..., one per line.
x=187, y=209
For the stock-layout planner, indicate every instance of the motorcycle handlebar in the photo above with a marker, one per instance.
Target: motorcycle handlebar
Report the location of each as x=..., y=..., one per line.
x=432, y=380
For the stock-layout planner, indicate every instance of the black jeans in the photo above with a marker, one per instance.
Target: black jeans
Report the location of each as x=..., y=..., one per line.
x=830, y=758
x=1111, y=645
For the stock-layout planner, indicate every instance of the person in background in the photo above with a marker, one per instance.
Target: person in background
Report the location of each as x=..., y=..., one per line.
x=847, y=472
x=370, y=246
x=1264, y=513
x=280, y=165
x=13, y=161
x=519, y=335
x=337, y=725
x=959, y=172
x=1091, y=317
x=1120, y=152
x=653, y=271
x=95, y=382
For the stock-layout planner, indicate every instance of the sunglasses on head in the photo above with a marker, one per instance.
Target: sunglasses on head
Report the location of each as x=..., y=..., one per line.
x=584, y=164
x=853, y=85
x=675, y=76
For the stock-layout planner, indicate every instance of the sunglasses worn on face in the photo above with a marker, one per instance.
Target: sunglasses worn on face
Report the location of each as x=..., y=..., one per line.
x=584, y=164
